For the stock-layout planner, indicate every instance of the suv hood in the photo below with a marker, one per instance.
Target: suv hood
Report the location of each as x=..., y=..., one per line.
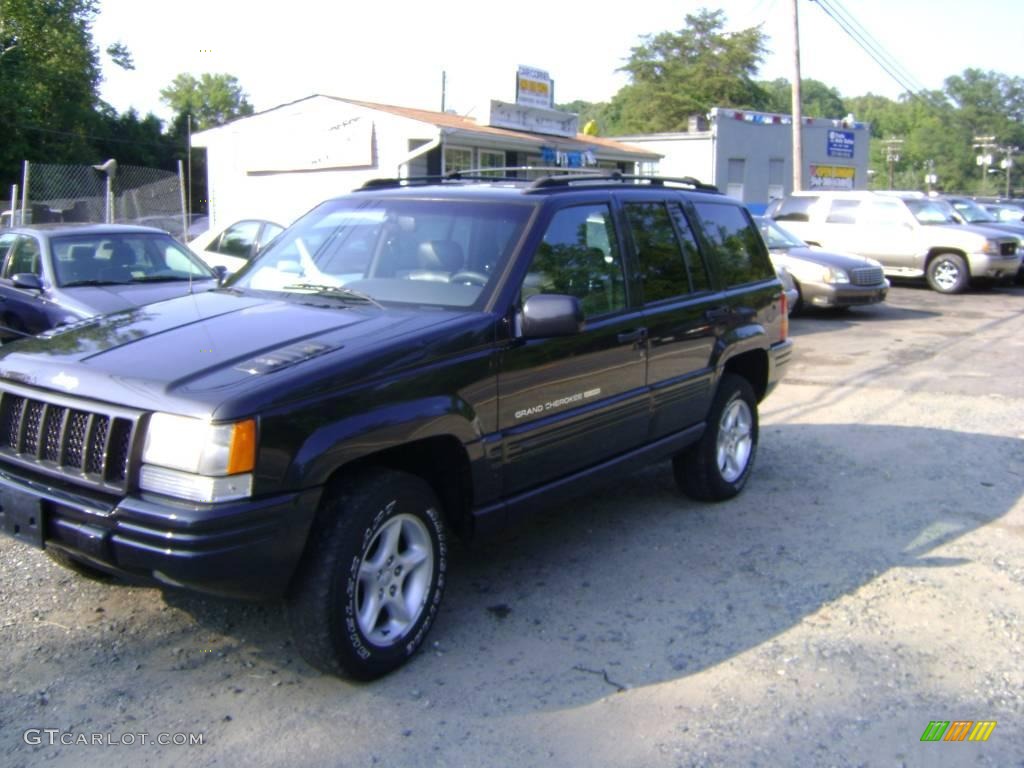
x=192, y=353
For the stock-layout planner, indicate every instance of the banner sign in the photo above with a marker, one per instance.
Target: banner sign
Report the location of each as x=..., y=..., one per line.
x=832, y=177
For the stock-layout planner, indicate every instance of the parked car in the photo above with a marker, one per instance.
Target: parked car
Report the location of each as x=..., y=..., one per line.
x=788, y=286
x=972, y=212
x=56, y=274
x=911, y=235
x=313, y=433
x=823, y=278
x=173, y=224
x=234, y=246
x=1006, y=212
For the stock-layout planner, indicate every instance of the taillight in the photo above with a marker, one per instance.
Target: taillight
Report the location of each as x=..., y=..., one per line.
x=784, y=325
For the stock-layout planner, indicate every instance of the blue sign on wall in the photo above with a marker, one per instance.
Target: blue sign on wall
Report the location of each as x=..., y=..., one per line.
x=840, y=143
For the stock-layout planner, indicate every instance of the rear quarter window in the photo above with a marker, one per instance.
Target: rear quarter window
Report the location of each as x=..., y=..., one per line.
x=736, y=245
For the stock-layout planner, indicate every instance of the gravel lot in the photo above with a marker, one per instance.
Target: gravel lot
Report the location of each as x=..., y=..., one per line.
x=869, y=580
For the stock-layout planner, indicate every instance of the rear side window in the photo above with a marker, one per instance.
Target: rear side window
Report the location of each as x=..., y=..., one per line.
x=736, y=244
x=670, y=263
x=793, y=208
x=842, y=211
x=662, y=268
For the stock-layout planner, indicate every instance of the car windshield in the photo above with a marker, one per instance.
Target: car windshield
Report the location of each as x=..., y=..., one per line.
x=972, y=212
x=443, y=253
x=776, y=236
x=118, y=259
x=932, y=211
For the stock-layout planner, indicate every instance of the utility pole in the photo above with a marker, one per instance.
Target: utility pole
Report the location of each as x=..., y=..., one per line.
x=798, y=117
x=1007, y=163
x=930, y=178
x=984, y=145
x=892, y=156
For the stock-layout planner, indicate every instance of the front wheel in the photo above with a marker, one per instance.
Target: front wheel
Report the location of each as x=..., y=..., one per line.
x=948, y=273
x=372, y=579
x=717, y=466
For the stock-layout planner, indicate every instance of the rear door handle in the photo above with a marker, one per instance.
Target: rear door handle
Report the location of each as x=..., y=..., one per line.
x=718, y=313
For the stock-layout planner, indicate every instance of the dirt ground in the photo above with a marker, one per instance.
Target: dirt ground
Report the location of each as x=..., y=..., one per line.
x=870, y=580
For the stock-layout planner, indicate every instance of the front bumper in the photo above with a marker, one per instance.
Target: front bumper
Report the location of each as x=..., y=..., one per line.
x=985, y=265
x=247, y=548
x=827, y=295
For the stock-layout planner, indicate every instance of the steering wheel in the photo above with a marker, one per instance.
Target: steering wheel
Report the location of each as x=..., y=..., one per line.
x=468, y=277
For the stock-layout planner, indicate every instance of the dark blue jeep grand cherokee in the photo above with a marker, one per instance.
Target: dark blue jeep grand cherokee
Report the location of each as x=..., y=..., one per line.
x=415, y=357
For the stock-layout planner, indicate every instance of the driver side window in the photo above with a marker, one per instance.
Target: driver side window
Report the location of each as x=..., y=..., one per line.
x=24, y=258
x=579, y=256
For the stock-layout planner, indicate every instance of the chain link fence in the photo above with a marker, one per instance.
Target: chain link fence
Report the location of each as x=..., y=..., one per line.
x=105, y=193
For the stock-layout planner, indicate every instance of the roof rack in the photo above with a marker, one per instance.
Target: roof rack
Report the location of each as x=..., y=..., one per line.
x=615, y=176
x=556, y=177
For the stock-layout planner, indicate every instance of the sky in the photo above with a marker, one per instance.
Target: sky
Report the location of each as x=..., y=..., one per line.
x=394, y=51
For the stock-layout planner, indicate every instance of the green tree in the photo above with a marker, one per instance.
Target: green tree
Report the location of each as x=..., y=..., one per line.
x=678, y=74
x=211, y=100
x=49, y=80
x=817, y=99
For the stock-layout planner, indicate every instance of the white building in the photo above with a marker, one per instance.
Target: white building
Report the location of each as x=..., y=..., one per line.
x=749, y=155
x=279, y=163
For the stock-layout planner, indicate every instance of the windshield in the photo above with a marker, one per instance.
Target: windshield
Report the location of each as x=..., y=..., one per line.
x=92, y=258
x=776, y=236
x=972, y=212
x=443, y=253
x=932, y=211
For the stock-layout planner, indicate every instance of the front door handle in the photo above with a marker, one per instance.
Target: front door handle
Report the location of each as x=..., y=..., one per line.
x=637, y=336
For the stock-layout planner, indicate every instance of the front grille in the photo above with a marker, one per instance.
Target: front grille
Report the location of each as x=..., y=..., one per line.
x=866, y=276
x=92, y=446
x=1008, y=249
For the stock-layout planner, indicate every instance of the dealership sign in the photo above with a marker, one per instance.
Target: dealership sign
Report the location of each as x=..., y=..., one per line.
x=534, y=88
x=840, y=143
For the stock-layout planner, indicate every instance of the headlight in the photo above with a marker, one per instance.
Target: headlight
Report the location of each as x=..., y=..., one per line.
x=198, y=460
x=834, y=275
x=991, y=246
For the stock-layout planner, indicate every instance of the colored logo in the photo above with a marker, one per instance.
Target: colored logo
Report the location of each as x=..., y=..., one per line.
x=958, y=730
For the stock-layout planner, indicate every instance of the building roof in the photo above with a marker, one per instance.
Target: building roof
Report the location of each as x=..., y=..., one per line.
x=458, y=124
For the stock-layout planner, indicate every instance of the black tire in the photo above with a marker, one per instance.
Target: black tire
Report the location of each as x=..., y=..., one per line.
x=78, y=566
x=948, y=273
x=717, y=466
x=383, y=528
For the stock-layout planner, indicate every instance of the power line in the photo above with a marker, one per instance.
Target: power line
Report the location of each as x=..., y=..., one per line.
x=871, y=45
x=72, y=134
x=873, y=49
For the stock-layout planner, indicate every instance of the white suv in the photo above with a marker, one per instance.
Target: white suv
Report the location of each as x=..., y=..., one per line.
x=910, y=234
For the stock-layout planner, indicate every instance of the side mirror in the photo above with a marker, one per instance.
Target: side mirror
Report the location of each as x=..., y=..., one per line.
x=27, y=281
x=221, y=272
x=549, y=314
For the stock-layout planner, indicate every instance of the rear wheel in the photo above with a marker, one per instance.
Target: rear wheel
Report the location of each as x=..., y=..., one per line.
x=718, y=466
x=372, y=578
x=948, y=273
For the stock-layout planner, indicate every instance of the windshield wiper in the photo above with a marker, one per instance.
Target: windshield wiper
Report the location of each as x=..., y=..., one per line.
x=78, y=283
x=167, y=278
x=337, y=291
